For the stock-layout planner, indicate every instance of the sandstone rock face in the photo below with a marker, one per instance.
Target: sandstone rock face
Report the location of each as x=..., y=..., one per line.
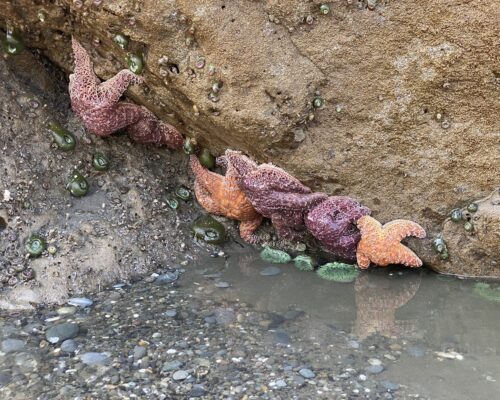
x=409, y=124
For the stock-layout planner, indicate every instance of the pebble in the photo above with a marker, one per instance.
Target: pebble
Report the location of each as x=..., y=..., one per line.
x=170, y=313
x=4, y=379
x=389, y=386
x=222, y=284
x=80, y=302
x=198, y=391
x=171, y=365
x=270, y=271
x=353, y=344
x=139, y=352
x=415, y=351
x=374, y=361
x=293, y=314
x=12, y=345
x=281, y=336
x=307, y=373
x=66, y=310
x=280, y=383
x=61, y=332
x=93, y=358
x=69, y=346
x=180, y=375
x=375, y=369
x=168, y=277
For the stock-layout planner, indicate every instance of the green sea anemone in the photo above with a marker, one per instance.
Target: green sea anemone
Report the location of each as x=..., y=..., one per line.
x=62, y=137
x=338, y=272
x=275, y=256
x=304, y=263
x=487, y=292
x=121, y=40
x=207, y=159
x=209, y=230
x=135, y=63
x=189, y=145
x=472, y=207
x=100, y=162
x=172, y=203
x=439, y=245
x=36, y=245
x=183, y=193
x=456, y=215
x=77, y=185
x=12, y=43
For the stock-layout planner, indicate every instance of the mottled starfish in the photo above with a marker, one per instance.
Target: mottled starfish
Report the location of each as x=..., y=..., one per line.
x=98, y=105
x=381, y=244
x=221, y=195
x=277, y=195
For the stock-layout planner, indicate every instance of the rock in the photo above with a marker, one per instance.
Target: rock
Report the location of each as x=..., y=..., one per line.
x=374, y=361
x=198, y=391
x=415, y=351
x=168, y=277
x=281, y=336
x=280, y=383
x=69, y=346
x=389, y=386
x=270, y=271
x=307, y=373
x=61, y=332
x=222, y=284
x=375, y=369
x=93, y=358
x=170, y=313
x=80, y=302
x=171, y=365
x=293, y=314
x=224, y=316
x=139, y=352
x=4, y=379
x=353, y=344
x=66, y=310
x=180, y=375
x=12, y=345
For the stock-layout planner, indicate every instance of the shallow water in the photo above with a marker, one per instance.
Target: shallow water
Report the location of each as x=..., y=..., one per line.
x=386, y=335
x=422, y=312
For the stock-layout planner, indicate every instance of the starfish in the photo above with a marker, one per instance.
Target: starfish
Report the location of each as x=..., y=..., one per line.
x=221, y=195
x=277, y=195
x=381, y=244
x=333, y=223
x=98, y=105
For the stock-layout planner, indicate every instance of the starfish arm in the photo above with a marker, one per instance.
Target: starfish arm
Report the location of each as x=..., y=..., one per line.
x=400, y=228
x=105, y=121
x=273, y=177
x=293, y=201
x=84, y=78
x=238, y=165
x=110, y=91
x=283, y=228
x=205, y=199
x=210, y=181
x=362, y=261
x=149, y=129
x=403, y=255
x=247, y=229
x=368, y=225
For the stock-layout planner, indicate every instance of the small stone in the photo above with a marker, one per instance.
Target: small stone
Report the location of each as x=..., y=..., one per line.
x=61, y=332
x=270, y=271
x=375, y=369
x=93, y=358
x=4, y=379
x=222, y=284
x=170, y=313
x=307, y=373
x=180, y=375
x=12, y=345
x=280, y=336
x=293, y=314
x=139, y=352
x=353, y=344
x=389, y=386
x=374, y=361
x=198, y=391
x=280, y=383
x=168, y=277
x=80, y=302
x=69, y=346
x=171, y=365
x=66, y=310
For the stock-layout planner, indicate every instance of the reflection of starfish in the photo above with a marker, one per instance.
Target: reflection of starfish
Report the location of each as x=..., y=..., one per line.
x=377, y=301
x=221, y=195
x=381, y=244
x=97, y=105
x=333, y=221
x=277, y=195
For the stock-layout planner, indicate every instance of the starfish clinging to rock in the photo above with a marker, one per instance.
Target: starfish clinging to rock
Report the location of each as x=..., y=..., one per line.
x=221, y=195
x=277, y=195
x=381, y=244
x=333, y=223
x=98, y=105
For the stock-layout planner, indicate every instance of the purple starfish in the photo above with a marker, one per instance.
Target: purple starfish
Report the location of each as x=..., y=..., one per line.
x=275, y=194
x=97, y=105
x=333, y=223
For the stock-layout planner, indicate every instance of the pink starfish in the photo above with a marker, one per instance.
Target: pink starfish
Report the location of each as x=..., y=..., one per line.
x=97, y=105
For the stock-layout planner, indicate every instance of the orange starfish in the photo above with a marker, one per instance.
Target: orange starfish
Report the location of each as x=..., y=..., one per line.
x=381, y=244
x=221, y=195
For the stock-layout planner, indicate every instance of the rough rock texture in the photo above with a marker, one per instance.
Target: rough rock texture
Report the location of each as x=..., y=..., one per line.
x=410, y=120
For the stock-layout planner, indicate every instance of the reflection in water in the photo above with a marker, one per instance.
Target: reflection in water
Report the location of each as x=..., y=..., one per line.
x=377, y=300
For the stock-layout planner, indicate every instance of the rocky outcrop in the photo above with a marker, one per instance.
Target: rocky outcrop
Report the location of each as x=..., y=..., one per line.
x=406, y=92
